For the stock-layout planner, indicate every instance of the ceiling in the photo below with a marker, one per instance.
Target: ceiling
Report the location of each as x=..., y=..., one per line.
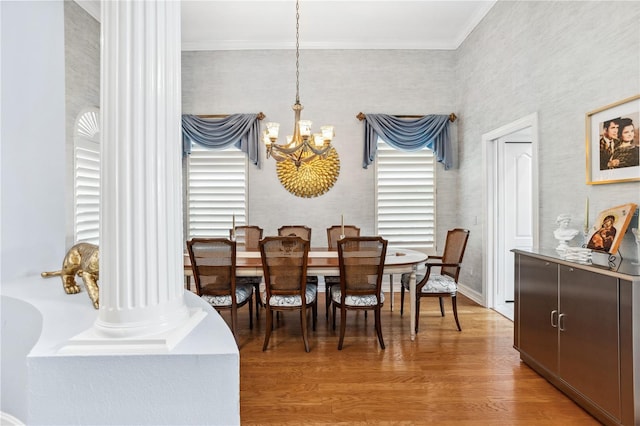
x=325, y=24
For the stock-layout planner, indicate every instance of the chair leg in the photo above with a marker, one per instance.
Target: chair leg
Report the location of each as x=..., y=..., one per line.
x=401, y=299
x=454, y=303
x=417, y=312
x=256, y=287
x=314, y=308
x=441, y=306
x=334, y=315
x=303, y=324
x=379, y=327
x=343, y=326
x=250, y=303
x=234, y=322
x=327, y=296
x=268, y=328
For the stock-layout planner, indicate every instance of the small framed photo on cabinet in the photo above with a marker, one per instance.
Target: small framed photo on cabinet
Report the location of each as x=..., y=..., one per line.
x=608, y=230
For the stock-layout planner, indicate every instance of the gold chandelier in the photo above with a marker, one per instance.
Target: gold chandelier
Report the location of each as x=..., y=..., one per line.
x=303, y=146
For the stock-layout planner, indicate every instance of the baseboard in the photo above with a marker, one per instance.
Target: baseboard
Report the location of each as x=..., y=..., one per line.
x=471, y=294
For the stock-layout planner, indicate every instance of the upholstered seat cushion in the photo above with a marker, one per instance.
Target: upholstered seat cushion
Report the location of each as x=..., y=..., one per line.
x=295, y=300
x=351, y=300
x=243, y=292
x=436, y=284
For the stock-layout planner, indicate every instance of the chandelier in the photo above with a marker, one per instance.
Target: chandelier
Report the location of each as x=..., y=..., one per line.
x=303, y=146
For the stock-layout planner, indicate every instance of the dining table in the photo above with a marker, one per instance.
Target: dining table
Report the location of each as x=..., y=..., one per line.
x=324, y=262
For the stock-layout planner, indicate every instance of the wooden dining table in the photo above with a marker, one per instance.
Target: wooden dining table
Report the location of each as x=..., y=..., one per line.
x=324, y=262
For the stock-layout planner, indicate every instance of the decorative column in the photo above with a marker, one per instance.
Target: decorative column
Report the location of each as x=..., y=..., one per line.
x=141, y=243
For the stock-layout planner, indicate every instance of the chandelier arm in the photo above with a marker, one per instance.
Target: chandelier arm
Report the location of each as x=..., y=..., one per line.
x=278, y=156
x=320, y=151
x=288, y=151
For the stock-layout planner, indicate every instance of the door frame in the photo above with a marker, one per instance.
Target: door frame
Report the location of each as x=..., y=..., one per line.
x=490, y=198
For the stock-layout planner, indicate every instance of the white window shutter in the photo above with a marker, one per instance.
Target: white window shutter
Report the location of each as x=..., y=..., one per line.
x=86, y=179
x=405, y=198
x=216, y=191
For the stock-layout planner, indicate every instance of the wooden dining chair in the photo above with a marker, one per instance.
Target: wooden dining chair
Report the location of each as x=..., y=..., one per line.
x=301, y=231
x=361, y=261
x=333, y=235
x=213, y=261
x=248, y=237
x=284, y=262
x=444, y=284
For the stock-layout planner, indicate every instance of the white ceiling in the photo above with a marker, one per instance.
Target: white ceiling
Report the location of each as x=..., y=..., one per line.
x=325, y=24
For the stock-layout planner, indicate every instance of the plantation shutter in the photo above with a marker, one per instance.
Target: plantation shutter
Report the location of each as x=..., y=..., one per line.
x=86, y=169
x=216, y=191
x=406, y=196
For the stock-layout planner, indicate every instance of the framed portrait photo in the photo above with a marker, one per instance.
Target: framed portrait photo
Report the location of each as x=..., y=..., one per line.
x=609, y=228
x=613, y=143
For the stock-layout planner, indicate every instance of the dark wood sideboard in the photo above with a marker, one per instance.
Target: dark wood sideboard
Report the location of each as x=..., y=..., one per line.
x=578, y=325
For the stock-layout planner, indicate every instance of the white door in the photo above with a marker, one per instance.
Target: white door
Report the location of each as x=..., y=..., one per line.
x=511, y=202
x=515, y=209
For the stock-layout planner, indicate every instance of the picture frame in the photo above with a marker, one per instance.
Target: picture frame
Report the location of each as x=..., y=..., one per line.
x=620, y=162
x=607, y=232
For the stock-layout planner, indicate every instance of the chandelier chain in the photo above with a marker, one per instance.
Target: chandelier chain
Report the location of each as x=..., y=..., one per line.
x=303, y=146
x=297, y=52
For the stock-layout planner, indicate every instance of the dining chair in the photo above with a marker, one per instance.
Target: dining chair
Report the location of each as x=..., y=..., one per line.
x=284, y=262
x=249, y=236
x=213, y=261
x=333, y=235
x=444, y=284
x=361, y=261
x=301, y=231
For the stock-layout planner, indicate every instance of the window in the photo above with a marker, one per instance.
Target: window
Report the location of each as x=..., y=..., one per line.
x=216, y=187
x=86, y=177
x=405, y=196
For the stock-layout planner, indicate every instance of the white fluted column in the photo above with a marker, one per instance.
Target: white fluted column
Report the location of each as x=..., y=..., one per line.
x=141, y=243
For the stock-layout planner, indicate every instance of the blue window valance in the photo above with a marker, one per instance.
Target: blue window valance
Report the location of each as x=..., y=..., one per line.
x=239, y=130
x=408, y=134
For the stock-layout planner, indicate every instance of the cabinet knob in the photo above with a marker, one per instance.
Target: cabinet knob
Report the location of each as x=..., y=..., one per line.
x=554, y=321
x=561, y=322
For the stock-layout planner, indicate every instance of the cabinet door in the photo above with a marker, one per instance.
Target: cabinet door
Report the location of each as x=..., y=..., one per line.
x=588, y=324
x=538, y=307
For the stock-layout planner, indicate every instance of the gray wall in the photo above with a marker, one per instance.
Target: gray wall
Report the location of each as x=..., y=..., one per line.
x=561, y=60
x=335, y=85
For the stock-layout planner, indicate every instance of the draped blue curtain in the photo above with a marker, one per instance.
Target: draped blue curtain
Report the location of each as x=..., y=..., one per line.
x=239, y=130
x=408, y=134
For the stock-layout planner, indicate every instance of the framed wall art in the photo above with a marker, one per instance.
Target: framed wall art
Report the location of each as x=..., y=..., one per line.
x=609, y=228
x=613, y=144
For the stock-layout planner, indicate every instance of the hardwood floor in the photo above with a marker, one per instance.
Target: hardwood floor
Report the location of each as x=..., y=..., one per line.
x=444, y=377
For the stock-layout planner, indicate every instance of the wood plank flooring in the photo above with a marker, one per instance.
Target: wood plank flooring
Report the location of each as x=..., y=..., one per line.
x=445, y=377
